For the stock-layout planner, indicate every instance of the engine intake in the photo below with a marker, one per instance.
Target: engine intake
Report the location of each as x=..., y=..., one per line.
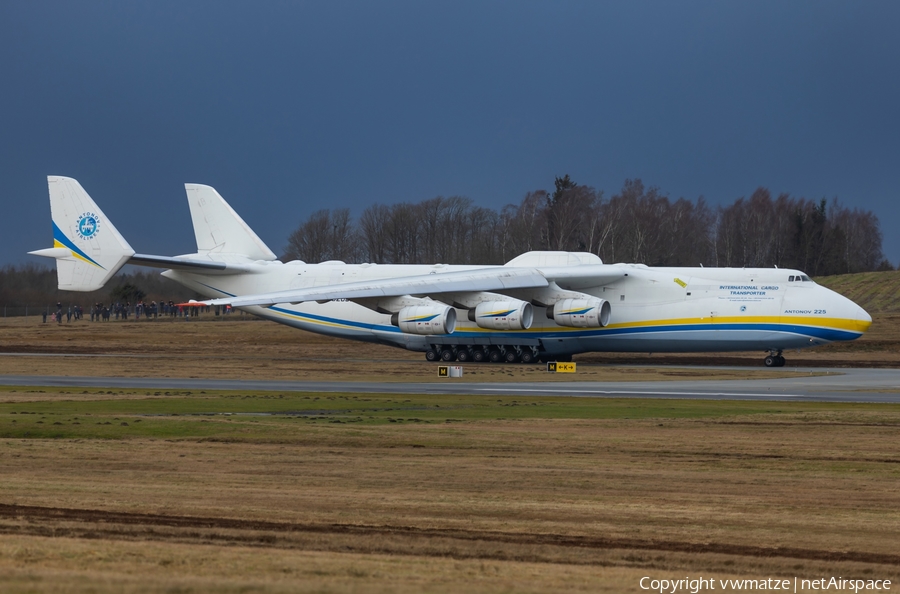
x=580, y=313
x=425, y=319
x=503, y=315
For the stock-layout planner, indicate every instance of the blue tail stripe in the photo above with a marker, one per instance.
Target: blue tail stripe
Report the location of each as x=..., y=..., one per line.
x=59, y=236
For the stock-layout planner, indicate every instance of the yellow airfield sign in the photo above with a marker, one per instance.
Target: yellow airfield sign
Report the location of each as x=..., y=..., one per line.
x=559, y=367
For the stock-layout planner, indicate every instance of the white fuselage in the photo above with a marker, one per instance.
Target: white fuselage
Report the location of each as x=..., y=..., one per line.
x=652, y=309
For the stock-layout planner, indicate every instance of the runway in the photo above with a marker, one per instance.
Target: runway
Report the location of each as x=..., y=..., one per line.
x=839, y=385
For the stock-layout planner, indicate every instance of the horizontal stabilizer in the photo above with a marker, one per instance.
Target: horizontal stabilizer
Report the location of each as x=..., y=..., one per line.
x=189, y=264
x=174, y=263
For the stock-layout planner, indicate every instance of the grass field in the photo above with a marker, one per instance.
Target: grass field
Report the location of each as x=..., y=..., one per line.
x=107, y=490
x=876, y=292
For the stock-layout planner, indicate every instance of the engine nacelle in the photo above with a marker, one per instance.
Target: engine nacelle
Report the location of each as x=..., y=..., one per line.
x=580, y=313
x=503, y=315
x=425, y=319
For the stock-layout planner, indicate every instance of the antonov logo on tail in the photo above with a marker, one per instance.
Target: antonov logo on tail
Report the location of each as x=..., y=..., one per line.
x=88, y=225
x=466, y=313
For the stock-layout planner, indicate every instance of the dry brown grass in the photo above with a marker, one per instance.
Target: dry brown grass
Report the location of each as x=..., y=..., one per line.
x=572, y=504
x=98, y=565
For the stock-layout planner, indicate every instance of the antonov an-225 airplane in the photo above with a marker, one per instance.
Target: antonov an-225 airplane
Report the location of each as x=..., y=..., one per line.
x=538, y=306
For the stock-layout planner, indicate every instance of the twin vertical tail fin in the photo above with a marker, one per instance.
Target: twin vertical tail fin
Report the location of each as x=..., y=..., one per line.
x=219, y=229
x=89, y=250
x=87, y=247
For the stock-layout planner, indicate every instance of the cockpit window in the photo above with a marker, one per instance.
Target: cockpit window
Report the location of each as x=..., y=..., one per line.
x=791, y=279
x=805, y=278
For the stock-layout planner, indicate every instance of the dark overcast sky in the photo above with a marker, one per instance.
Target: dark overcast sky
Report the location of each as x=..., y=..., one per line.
x=289, y=107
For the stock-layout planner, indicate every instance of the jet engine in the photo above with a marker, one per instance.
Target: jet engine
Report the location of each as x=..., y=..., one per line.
x=425, y=319
x=580, y=313
x=503, y=315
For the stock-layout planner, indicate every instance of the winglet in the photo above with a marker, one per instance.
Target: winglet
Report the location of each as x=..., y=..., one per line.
x=87, y=247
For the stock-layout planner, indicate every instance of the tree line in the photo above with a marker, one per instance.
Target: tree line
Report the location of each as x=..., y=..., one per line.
x=638, y=224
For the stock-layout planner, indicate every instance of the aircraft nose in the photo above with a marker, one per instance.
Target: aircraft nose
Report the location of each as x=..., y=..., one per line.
x=863, y=319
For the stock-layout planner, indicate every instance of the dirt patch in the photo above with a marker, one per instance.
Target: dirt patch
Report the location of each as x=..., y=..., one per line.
x=102, y=524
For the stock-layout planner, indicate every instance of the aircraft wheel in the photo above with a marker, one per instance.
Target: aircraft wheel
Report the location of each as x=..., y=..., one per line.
x=495, y=356
x=527, y=356
x=479, y=356
x=431, y=355
x=771, y=361
x=463, y=355
x=511, y=356
x=781, y=361
x=447, y=355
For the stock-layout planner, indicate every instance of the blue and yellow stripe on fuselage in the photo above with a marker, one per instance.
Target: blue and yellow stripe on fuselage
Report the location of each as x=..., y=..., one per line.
x=795, y=331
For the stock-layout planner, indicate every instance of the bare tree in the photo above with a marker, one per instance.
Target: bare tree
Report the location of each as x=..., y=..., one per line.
x=325, y=235
x=373, y=233
x=523, y=226
x=638, y=224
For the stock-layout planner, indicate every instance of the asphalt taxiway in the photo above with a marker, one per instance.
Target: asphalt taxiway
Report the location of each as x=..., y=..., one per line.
x=812, y=385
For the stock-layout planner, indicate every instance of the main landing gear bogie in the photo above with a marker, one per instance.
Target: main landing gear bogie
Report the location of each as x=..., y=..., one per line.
x=774, y=359
x=477, y=354
x=463, y=355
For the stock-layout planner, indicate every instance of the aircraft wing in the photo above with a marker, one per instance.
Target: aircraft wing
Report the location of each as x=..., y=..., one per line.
x=482, y=279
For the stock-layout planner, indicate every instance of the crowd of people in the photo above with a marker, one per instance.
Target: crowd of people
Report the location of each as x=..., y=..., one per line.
x=101, y=312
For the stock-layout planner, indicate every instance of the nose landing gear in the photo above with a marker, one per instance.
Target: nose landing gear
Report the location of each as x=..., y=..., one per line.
x=774, y=359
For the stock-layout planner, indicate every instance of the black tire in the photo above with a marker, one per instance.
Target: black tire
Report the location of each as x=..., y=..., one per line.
x=431, y=355
x=495, y=356
x=463, y=355
x=448, y=355
x=781, y=361
x=479, y=356
x=511, y=356
x=527, y=356
x=771, y=361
